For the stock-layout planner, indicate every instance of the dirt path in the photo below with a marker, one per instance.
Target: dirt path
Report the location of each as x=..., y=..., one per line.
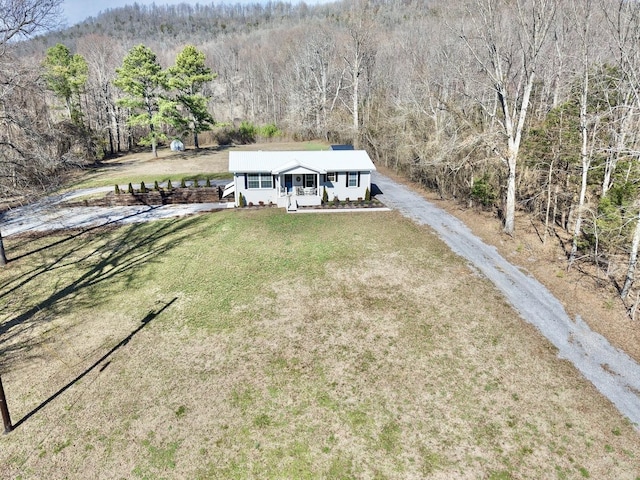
x=612, y=372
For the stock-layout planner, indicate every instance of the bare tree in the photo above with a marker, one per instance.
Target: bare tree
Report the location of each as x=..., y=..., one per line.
x=103, y=55
x=507, y=40
x=19, y=18
x=624, y=25
x=359, y=57
x=315, y=81
x=582, y=10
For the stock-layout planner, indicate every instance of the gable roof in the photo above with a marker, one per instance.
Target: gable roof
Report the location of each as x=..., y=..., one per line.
x=317, y=161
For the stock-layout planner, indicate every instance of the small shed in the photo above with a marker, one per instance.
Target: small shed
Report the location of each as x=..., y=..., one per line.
x=177, y=146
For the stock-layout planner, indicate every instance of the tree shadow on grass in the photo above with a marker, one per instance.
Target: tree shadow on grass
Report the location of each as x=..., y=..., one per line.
x=72, y=235
x=111, y=257
x=144, y=322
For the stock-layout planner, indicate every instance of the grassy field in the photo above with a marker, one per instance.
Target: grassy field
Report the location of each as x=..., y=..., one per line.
x=256, y=344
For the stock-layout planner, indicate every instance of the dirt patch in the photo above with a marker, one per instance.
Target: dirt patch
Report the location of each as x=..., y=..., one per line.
x=581, y=292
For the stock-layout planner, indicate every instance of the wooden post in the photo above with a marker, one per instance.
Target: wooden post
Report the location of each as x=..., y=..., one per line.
x=3, y=257
x=5, y=410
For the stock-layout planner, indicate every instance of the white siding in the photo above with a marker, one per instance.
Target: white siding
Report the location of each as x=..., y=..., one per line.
x=253, y=195
x=340, y=189
x=297, y=164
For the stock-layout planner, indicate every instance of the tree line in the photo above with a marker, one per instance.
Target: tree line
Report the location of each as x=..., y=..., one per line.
x=516, y=106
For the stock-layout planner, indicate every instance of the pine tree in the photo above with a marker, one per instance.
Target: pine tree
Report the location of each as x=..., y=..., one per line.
x=188, y=77
x=141, y=77
x=66, y=76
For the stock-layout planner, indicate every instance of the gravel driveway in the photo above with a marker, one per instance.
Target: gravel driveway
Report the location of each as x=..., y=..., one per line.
x=47, y=214
x=614, y=373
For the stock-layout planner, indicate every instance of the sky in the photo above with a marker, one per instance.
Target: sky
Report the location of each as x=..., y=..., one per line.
x=74, y=11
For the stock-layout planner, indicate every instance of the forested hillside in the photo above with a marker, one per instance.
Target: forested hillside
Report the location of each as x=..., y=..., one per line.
x=525, y=105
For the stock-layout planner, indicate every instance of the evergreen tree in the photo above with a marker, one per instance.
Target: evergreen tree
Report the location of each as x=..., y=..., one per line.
x=66, y=76
x=188, y=77
x=141, y=77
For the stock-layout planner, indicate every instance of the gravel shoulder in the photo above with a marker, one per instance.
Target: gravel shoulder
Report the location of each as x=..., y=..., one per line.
x=611, y=371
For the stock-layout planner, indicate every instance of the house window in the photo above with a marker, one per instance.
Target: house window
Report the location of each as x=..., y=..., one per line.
x=332, y=177
x=266, y=180
x=259, y=180
x=253, y=180
x=309, y=180
x=353, y=179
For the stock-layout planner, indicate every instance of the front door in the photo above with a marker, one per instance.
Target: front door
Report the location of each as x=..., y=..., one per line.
x=288, y=183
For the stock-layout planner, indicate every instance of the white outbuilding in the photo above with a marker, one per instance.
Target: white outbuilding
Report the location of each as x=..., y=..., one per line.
x=177, y=146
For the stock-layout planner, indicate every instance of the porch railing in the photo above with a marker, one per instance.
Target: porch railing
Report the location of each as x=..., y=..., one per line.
x=300, y=191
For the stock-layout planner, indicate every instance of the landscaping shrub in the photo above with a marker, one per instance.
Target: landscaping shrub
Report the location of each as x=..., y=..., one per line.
x=335, y=200
x=367, y=195
x=208, y=183
x=325, y=195
x=130, y=189
x=117, y=190
x=143, y=188
x=183, y=183
x=156, y=187
x=195, y=183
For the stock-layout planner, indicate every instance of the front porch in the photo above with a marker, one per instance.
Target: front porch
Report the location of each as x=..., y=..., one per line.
x=298, y=189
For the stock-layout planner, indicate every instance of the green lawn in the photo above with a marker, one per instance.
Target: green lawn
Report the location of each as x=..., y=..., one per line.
x=257, y=344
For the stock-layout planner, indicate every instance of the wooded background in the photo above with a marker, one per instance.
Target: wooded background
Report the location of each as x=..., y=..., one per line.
x=508, y=105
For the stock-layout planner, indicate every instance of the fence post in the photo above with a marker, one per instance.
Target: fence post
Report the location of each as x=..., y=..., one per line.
x=5, y=410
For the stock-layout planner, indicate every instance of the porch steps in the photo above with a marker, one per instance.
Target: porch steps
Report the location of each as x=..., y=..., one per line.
x=293, y=205
x=229, y=188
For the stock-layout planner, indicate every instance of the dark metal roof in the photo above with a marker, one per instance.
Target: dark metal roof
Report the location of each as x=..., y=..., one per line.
x=341, y=147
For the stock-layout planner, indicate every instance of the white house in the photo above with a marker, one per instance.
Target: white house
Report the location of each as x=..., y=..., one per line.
x=299, y=178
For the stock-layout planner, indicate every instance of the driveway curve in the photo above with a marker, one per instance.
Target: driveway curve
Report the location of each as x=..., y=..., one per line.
x=612, y=372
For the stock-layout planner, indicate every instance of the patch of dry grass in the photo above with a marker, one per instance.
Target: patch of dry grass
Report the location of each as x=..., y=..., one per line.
x=290, y=346
x=208, y=161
